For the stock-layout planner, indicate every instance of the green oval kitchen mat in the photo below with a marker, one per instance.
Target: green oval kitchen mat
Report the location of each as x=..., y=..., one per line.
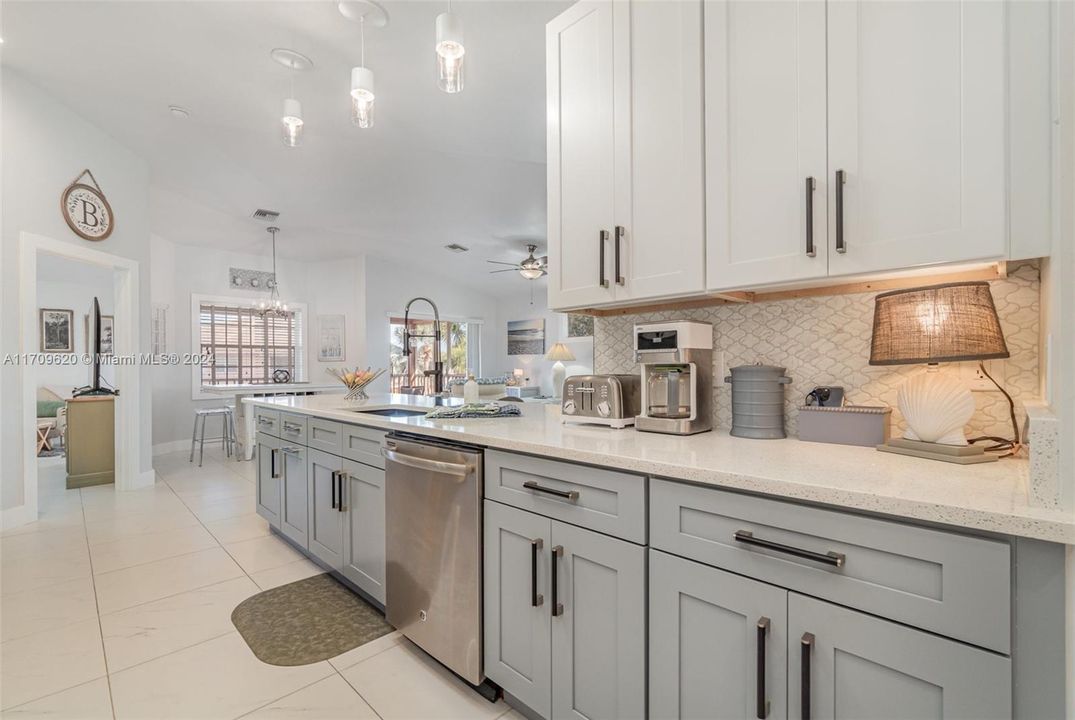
x=307, y=621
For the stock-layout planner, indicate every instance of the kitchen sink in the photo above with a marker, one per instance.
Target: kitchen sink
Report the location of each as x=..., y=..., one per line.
x=393, y=412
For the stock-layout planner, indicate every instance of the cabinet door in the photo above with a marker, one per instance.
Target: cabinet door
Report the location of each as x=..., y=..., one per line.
x=581, y=124
x=917, y=124
x=765, y=142
x=599, y=639
x=516, y=576
x=859, y=666
x=326, y=519
x=710, y=631
x=659, y=236
x=294, y=500
x=364, y=549
x=268, y=479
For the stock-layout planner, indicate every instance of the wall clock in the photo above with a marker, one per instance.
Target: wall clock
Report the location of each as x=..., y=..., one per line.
x=86, y=209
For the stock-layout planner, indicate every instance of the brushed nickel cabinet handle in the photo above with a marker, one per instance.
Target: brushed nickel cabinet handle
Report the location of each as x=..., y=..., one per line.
x=342, y=477
x=272, y=464
x=832, y=558
x=762, y=702
x=811, y=251
x=619, y=239
x=334, y=501
x=567, y=494
x=602, y=238
x=841, y=178
x=536, y=598
x=557, y=606
x=806, y=646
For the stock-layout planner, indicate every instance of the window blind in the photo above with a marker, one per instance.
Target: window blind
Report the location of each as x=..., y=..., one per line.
x=246, y=347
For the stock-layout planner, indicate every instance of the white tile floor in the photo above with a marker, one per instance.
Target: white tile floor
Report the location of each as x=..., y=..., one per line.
x=118, y=605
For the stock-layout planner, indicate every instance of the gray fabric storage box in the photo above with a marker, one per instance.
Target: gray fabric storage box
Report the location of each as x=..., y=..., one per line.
x=848, y=425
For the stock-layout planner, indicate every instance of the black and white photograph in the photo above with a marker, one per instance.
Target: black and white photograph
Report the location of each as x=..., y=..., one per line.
x=331, y=345
x=57, y=335
x=526, y=337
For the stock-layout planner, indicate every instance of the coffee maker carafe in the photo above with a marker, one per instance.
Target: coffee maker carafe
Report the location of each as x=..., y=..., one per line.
x=677, y=377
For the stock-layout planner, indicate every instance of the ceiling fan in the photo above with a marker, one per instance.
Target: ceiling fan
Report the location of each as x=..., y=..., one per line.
x=530, y=268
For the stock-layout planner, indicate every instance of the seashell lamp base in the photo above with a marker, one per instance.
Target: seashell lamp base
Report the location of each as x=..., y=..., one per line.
x=936, y=406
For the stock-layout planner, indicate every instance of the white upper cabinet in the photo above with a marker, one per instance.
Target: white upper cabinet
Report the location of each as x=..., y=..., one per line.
x=917, y=129
x=766, y=177
x=625, y=152
x=581, y=153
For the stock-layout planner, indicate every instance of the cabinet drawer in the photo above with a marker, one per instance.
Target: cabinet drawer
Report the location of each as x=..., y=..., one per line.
x=362, y=444
x=604, y=500
x=951, y=584
x=324, y=435
x=293, y=428
x=267, y=421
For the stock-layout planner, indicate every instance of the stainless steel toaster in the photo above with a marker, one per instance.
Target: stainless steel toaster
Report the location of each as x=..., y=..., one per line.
x=612, y=400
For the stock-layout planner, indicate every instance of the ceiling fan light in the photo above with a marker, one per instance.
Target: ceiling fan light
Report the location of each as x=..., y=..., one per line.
x=362, y=97
x=450, y=51
x=291, y=123
x=531, y=273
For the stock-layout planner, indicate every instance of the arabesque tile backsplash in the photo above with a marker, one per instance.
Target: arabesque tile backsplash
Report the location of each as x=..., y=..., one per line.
x=826, y=341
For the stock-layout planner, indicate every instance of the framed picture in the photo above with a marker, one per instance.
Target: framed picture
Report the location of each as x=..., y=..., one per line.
x=57, y=333
x=331, y=346
x=526, y=337
x=107, y=325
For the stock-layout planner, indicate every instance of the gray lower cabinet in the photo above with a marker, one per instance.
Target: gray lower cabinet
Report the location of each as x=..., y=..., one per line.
x=847, y=664
x=327, y=521
x=363, y=529
x=565, y=616
x=267, y=500
x=294, y=500
x=718, y=643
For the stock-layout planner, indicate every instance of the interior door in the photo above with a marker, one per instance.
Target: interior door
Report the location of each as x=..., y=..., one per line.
x=364, y=543
x=326, y=519
x=710, y=632
x=857, y=666
x=517, y=640
x=599, y=638
x=268, y=479
x=917, y=130
x=581, y=123
x=294, y=494
x=659, y=237
x=766, y=180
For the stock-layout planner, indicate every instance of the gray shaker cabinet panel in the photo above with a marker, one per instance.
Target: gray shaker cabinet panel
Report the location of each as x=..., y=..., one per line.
x=294, y=494
x=364, y=531
x=324, y=435
x=518, y=653
x=362, y=444
x=708, y=630
x=326, y=521
x=863, y=667
x=599, y=640
x=268, y=479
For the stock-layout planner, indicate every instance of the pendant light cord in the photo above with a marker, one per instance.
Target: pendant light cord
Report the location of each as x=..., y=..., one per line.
x=362, y=35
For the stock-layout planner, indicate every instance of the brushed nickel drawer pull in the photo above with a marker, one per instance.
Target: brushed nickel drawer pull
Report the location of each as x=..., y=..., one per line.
x=834, y=559
x=571, y=495
x=292, y=428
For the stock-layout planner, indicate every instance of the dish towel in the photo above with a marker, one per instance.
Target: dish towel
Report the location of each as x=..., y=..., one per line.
x=476, y=410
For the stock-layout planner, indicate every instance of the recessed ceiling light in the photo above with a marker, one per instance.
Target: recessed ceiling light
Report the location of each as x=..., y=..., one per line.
x=291, y=59
x=178, y=111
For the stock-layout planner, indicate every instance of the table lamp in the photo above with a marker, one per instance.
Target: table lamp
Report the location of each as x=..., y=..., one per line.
x=559, y=352
x=942, y=323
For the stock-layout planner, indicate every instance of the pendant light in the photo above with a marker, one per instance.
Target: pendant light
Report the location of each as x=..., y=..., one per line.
x=291, y=122
x=450, y=51
x=362, y=87
x=273, y=307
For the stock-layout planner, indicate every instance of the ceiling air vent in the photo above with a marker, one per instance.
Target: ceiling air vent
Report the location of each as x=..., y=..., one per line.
x=266, y=215
x=456, y=248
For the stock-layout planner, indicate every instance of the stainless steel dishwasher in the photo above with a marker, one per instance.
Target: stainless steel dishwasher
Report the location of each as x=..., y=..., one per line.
x=433, y=591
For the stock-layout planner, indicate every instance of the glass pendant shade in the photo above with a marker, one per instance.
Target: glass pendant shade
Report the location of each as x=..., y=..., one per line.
x=291, y=123
x=531, y=273
x=362, y=97
x=450, y=52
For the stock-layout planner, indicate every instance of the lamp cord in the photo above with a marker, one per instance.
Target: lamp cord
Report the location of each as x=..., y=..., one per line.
x=1000, y=444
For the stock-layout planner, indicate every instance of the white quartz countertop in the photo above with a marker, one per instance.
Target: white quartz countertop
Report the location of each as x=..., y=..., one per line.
x=252, y=388
x=989, y=497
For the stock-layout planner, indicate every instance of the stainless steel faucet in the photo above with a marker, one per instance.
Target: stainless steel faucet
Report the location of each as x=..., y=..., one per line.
x=438, y=367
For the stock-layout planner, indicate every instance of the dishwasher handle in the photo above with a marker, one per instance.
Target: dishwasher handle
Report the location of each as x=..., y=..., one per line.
x=420, y=463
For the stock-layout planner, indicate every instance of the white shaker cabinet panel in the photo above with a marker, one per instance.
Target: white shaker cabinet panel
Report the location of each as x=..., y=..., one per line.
x=581, y=153
x=326, y=519
x=659, y=235
x=766, y=179
x=916, y=124
x=364, y=528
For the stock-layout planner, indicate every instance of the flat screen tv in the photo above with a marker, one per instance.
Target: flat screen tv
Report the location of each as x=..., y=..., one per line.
x=94, y=337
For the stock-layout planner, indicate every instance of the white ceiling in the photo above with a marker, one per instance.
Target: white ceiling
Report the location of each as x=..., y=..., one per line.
x=435, y=169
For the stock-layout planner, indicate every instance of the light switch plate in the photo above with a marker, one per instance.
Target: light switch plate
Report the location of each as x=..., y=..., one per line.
x=978, y=382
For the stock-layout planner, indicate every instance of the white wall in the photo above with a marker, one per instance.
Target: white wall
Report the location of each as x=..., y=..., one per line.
x=44, y=144
x=536, y=367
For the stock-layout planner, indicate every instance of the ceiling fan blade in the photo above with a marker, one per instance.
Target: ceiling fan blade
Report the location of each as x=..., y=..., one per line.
x=544, y=260
x=494, y=272
x=498, y=262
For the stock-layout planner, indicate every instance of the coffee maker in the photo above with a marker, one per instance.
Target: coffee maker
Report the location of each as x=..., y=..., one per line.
x=677, y=377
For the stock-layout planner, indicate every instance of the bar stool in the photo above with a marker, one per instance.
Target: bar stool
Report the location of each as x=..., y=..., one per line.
x=227, y=430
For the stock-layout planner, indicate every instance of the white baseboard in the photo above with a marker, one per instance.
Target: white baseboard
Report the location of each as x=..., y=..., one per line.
x=171, y=447
x=147, y=478
x=16, y=516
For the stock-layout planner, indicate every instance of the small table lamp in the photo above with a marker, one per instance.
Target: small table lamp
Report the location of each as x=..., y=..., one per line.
x=559, y=352
x=941, y=323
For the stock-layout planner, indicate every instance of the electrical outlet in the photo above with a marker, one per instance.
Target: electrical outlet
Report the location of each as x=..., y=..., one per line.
x=976, y=381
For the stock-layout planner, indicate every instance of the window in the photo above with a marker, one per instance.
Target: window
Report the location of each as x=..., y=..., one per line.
x=459, y=342
x=248, y=348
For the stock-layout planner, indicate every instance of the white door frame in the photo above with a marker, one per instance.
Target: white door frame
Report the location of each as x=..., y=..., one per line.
x=128, y=406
